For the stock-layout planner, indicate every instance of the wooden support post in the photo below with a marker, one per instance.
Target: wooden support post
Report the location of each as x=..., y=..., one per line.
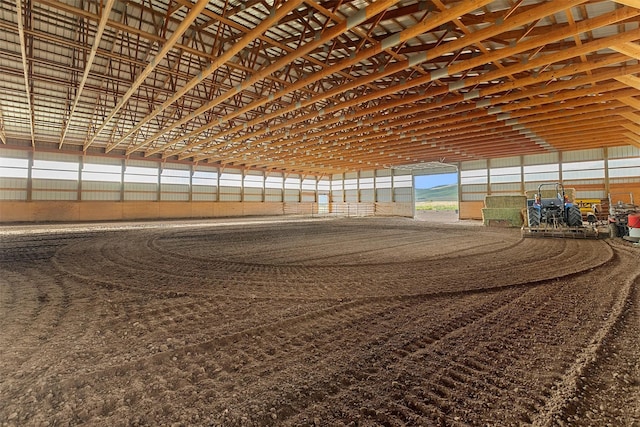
x=30, y=177
x=80, y=166
x=605, y=155
x=488, y=177
x=123, y=167
x=522, y=186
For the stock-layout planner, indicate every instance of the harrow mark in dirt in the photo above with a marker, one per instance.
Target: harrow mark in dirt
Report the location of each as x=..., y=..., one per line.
x=344, y=322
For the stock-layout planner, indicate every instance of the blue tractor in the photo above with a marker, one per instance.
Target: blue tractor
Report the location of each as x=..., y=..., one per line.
x=553, y=212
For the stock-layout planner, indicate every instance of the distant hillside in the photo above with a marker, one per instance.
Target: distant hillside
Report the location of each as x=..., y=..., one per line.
x=441, y=193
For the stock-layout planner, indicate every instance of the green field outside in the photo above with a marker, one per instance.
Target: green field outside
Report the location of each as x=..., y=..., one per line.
x=442, y=205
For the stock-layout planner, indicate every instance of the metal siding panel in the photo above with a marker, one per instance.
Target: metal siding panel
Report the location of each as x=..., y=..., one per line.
x=473, y=197
x=101, y=196
x=541, y=159
x=384, y=194
x=514, y=187
x=367, y=195
x=404, y=194
x=473, y=165
x=54, y=195
x=291, y=195
x=351, y=195
x=13, y=195
x=474, y=188
x=14, y=154
x=593, y=194
x=56, y=157
x=102, y=160
x=174, y=197
x=230, y=194
x=54, y=184
x=204, y=197
x=582, y=155
x=505, y=162
x=13, y=183
x=142, y=164
x=621, y=152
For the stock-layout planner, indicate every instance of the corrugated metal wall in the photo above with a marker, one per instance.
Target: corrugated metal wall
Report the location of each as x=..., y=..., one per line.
x=584, y=170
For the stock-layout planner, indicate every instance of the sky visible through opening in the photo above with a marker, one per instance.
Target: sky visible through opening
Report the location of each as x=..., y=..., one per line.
x=430, y=181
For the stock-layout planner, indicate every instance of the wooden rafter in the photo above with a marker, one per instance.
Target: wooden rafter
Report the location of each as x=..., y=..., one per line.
x=106, y=10
x=26, y=68
x=321, y=87
x=184, y=25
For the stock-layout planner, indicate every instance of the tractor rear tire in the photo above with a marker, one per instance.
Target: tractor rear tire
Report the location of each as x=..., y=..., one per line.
x=613, y=230
x=533, y=217
x=574, y=217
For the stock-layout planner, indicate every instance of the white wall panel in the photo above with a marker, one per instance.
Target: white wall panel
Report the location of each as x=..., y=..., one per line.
x=591, y=194
x=502, y=188
x=137, y=191
x=384, y=195
x=403, y=194
x=252, y=194
x=291, y=195
x=272, y=195
x=583, y=155
x=505, y=162
x=204, y=195
x=473, y=165
x=230, y=194
x=622, y=152
x=97, y=190
x=367, y=195
x=538, y=159
x=13, y=188
x=351, y=196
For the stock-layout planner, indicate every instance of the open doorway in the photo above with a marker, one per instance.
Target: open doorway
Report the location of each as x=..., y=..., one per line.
x=436, y=197
x=323, y=204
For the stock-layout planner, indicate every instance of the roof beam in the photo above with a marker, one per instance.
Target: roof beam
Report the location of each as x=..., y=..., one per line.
x=106, y=11
x=184, y=25
x=405, y=35
x=210, y=69
x=328, y=35
x=632, y=3
x=25, y=68
x=479, y=35
x=630, y=80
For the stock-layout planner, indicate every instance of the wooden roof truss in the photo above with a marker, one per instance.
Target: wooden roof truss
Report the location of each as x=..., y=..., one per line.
x=319, y=87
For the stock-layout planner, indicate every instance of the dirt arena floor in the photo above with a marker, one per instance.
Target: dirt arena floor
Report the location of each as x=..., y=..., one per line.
x=319, y=322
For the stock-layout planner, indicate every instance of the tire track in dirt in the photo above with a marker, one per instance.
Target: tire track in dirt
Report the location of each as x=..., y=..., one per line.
x=225, y=278
x=580, y=400
x=444, y=390
x=470, y=344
